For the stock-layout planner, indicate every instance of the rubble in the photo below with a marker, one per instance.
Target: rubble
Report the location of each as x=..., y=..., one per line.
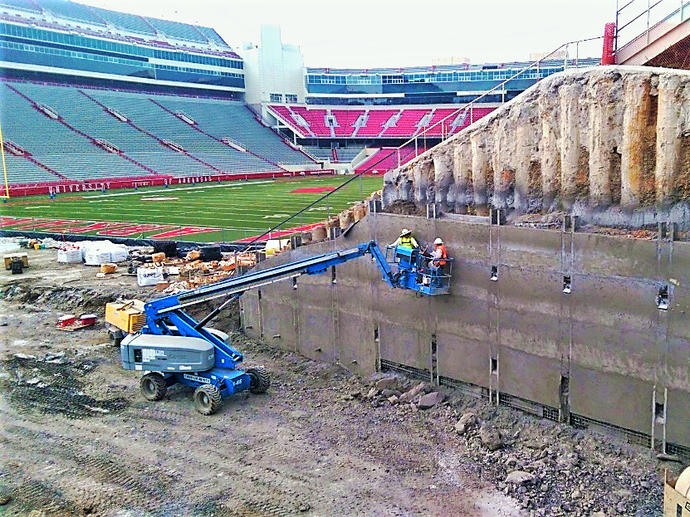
x=326, y=414
x=408, y=396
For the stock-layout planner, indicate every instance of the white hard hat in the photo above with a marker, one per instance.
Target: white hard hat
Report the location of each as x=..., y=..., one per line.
x=405, y=231
x=438, y=240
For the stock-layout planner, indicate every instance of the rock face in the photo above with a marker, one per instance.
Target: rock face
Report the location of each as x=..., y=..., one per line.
x=605, y=140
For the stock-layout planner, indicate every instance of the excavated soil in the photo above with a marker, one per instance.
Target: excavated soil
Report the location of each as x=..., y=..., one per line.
x=404, y=208
x=77, y=438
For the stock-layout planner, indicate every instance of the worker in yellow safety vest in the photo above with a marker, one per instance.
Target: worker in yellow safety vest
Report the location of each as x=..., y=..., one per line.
x=406, y=240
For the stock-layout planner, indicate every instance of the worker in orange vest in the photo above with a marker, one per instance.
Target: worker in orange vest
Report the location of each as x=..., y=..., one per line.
x=439, y=256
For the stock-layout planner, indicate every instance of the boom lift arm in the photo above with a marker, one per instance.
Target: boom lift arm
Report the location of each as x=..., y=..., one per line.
x=175, y=348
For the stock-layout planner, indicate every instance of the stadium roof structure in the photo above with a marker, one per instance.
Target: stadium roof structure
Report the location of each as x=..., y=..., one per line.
x=104, y=23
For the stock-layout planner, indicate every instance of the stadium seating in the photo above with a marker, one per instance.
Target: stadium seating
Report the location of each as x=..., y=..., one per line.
x=74, y=17
x=386, y=159
x=177, y=30
x=149, y=116
x=124, y=21
x=227, y=119
x=71, y=11
x=342, y=154
x=56, y=146
x=316, y=118
x=346, y=121
x=380, y=122
x=407, y=124
x=67, y=145
x=21, y=170
x=347, y=154
x=375, y=122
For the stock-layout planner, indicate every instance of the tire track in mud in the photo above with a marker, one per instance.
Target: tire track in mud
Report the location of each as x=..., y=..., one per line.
x=102, y=484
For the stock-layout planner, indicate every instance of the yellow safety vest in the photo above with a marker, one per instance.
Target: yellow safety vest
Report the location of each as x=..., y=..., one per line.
x=406, y=241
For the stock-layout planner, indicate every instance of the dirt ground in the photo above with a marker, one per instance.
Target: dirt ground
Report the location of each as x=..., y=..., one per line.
x=77, y=438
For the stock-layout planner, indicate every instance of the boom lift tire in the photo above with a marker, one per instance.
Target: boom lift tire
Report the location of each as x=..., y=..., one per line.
x=153, y=386
x=207, y=399
x=260, y=380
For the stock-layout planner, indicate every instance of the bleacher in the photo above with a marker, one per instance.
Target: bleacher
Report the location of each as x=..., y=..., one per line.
x=67, y=145
x=375, y=122
x=346, y=121
x=177, y=30
x=386, y=159
x=124, y=21
x=347, y=154
x=407, y=124
x=56, y=146
x=147, y=115
x=341, y=154
x=233, y=120
x=321, y=153
x=21, y=170
x=71, y=11
x=380, y=122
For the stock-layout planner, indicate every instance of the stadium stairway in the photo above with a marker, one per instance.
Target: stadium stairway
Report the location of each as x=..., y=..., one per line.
x=234, y=121
x=167, y=144
x=52, y=142
x=196, y=127
x=172, y=132
x=97, y=133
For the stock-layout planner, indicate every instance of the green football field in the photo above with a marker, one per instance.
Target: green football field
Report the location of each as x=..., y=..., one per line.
x=226, y=211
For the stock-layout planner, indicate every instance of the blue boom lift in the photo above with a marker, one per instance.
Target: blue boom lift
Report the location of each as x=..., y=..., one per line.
x=172, y=347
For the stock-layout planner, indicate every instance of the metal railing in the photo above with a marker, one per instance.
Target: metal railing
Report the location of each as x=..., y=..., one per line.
x=569, y=52
x=635, y=18
x=562, y=51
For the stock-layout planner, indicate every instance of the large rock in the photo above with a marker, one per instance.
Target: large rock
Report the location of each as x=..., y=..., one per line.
x=386, y=383
x=519, y=477
x=412, y=393
x=430, y=400
x=468, y=420
x=490, y=437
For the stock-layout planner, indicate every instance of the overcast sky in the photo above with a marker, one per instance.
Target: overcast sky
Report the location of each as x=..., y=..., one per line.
x=369, y=33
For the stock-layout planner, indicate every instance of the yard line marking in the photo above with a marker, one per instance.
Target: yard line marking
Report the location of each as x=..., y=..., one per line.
x=177, y=189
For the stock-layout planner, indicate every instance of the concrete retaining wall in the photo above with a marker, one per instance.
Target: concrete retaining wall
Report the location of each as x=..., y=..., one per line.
x=602, y=353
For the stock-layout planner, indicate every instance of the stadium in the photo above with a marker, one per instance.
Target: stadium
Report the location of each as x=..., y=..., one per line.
x=97, y=100
x=521, y=348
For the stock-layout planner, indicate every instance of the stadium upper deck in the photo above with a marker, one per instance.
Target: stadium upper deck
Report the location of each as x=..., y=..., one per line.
x=65, y=41
x=441, y=84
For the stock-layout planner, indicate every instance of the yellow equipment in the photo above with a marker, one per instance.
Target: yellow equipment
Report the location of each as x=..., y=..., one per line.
x=127, y=316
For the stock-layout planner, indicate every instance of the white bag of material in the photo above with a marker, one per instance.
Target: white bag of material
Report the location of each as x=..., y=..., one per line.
x=83, y=246
x=96, y=256
x=149, y=276
x=69, y=256
x=118, y=252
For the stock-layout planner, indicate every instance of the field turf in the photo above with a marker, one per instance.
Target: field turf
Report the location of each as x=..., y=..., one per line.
x=229, y=211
